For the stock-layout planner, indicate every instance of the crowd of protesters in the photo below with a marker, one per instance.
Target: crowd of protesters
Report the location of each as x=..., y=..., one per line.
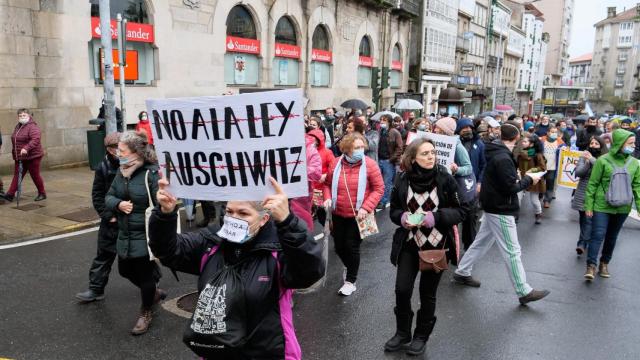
x=357, y=163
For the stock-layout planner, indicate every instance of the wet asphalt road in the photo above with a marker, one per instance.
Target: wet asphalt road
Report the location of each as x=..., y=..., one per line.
x=39, y=318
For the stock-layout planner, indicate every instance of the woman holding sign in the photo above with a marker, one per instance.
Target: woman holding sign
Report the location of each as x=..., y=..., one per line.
x=246, y=272
x=353, y=188
x=426, y=207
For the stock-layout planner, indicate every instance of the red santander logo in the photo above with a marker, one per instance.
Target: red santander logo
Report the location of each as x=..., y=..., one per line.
x=287, y=51
x=321, y=55
x=242, y=45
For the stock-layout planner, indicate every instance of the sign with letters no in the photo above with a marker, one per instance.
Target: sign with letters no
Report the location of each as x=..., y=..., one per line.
x=225, y=148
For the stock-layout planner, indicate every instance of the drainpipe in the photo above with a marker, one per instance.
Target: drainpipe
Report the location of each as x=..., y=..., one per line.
x=308, y=45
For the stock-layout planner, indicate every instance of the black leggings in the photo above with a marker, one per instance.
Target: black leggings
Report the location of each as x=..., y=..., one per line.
x=144, y=274
x=405, y=278
x=346, y=237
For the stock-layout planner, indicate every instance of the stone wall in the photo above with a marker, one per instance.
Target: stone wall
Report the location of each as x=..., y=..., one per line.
x=45, y=57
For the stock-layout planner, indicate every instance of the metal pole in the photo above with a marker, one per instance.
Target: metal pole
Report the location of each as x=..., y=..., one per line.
x=122, y=33
x=108, y=85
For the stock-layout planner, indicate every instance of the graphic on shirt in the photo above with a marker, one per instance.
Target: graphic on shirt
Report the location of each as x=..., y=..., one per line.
x=210, y=312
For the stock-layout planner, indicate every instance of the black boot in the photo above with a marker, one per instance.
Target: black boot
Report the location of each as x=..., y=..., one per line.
x=402, y=338
x=424, y=327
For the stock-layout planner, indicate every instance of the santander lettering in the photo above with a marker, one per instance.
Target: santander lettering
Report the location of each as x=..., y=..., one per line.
x=242, y=45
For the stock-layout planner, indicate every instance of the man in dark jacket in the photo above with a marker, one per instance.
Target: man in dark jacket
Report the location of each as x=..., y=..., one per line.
x=590, y=129
x=499, y=197
x=475, y=148
x=389, y=154
x=108, y=232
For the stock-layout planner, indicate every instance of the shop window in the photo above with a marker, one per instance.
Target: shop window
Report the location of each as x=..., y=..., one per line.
x=286, y=63
x=395, y=75
x=241, y=61
x=321, y=57
x=365, y=63
x=140, y=49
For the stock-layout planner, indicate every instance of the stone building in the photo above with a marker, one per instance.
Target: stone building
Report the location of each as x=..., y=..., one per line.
x=50, y=51
x=615, y=57
x=580, y=69
x=558, y=15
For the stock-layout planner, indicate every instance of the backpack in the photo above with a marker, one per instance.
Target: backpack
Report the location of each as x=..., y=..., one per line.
x=619, y=192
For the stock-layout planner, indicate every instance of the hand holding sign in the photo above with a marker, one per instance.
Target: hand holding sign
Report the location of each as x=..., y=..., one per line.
x=278, y=203
x=165, y=199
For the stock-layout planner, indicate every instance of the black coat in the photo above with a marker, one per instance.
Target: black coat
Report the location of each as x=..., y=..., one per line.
x=583, y=136
x=299, y=256
x=500, y=188
x=450, y=213
x=103, y=177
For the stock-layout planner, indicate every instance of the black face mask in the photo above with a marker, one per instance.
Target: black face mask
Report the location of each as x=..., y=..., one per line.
x=590, y=127
x=595, y=152
x=466, y=135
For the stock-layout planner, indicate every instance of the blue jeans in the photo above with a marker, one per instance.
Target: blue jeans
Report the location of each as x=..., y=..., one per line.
x=388, y=172
x=604, y=227
x=585, y=231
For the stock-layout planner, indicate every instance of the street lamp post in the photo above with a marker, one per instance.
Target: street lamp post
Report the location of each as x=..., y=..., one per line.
x=108, y=82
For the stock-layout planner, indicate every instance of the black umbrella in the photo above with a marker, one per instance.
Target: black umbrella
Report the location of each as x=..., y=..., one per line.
x=580, y=118
x=354, y=104
x=19, y=191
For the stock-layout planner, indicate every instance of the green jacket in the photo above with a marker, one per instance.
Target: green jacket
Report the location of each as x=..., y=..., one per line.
x=595, y=198
x=132, y=238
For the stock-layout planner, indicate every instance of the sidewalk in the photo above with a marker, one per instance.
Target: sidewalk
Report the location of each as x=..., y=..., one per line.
x=67, y=207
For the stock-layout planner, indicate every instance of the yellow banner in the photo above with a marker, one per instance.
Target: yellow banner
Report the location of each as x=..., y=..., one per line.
x=567, y=168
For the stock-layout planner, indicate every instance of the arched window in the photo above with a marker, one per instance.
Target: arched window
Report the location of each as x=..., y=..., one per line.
x=286, y=63
x=321, y=57
x=395, y=78
x=241, y=62
x=286, y=32
x=240, y=23
x=365, y=62
x=139, y=55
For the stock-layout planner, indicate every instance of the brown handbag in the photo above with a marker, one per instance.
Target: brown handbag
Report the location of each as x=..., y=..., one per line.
x=433, y=260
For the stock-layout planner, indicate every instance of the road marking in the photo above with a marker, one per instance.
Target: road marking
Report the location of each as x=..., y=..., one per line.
x=47, y=239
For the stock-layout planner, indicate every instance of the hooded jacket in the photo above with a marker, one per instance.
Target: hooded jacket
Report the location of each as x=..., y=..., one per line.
x=145, y=126
x=267, y=282
x=475, y=149
x=301, y=206
x=536, y=162
x=450, y=212
x=595, y=198
x=103, y=177
x=27, y=137
x=326, y=155
x=500, y=188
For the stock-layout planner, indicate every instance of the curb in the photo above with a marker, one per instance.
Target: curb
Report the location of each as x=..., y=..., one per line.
x=65, y=230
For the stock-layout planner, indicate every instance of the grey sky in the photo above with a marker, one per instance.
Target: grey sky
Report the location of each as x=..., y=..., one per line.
x=587, y=13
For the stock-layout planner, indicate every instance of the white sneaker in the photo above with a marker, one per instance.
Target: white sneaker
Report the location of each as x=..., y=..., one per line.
x=347, y=289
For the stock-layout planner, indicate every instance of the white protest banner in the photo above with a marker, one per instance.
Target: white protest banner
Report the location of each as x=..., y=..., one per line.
x=225, y=147
x=567, y=168
x=445, y=146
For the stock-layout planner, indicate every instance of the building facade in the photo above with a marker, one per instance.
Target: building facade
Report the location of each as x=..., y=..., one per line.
x=499, y=29
x=436, y=32
x=176, y=48
x=580, y=70
x=558, y=15
x=615, y=59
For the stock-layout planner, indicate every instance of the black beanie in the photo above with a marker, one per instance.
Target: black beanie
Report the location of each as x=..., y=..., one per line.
x=509, y=131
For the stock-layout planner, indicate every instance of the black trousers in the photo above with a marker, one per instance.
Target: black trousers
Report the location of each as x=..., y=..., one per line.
x=105, y=256
x=144, y=274
x=346, y=237
x=407, y=271
x=470, y=224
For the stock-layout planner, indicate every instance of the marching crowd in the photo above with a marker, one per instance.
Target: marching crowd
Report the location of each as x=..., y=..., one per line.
x=357, y=162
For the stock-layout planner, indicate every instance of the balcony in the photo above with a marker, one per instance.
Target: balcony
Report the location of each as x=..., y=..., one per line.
x=619, y=83
x=620, y=71
x=380, y=3
x=462, y=44
x=622, y=57
x=604, y=59
x=407, y=8
x=493, y=61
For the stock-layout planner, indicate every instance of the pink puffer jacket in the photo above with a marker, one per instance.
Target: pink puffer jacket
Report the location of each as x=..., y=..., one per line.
x=301, y=207
x=373, y=192
x=27, y=137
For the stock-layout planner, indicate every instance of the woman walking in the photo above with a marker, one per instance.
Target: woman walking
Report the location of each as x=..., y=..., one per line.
x=135, y=184
x=530, y=160
x=326, y=157
x=608, y=207
x=552, y=144
x=425, y=206
x=27, y=153
x=353, y=188
x=583, y=171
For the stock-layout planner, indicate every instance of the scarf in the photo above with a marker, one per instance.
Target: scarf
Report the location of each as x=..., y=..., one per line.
x=421, y=179
x=133, y=165
x=337, y=177
x=531, y=152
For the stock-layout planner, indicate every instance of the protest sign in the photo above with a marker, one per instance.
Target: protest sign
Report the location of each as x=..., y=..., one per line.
x=566, y=175
x=226, y=147
x=445, y=146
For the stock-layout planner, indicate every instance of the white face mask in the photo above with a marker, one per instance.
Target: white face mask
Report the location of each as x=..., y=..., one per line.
x=23, y=120
x=236, y=230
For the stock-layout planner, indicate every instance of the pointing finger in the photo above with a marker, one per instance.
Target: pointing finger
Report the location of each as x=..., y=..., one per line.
x=276, y=186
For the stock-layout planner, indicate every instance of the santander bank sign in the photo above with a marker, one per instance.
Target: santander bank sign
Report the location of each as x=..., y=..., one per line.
x=135, y=31
x=242, y=45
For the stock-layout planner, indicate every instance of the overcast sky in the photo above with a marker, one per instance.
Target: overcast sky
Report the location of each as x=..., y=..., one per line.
x=586, y=14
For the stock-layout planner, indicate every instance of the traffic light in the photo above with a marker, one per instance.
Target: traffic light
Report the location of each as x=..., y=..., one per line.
x=375, y=78
x=384, y=83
